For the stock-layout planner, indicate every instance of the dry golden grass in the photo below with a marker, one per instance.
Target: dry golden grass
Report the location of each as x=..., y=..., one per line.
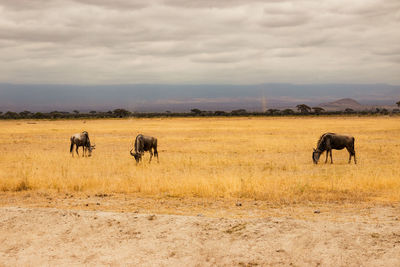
x=257, y=158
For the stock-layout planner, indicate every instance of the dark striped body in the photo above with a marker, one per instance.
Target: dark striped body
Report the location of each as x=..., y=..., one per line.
x=81, y=140
x=329, y=141
x=144, y=143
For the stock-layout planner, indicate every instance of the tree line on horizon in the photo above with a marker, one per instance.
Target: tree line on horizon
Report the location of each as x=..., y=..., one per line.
x=301, y=109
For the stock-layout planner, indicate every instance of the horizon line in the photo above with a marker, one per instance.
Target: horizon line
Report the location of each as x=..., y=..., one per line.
x=200, y=84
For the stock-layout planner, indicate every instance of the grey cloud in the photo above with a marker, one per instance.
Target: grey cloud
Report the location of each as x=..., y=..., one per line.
x=178, y=41
x=388, y=51
x=36, y=34
x=117, y=4
x=288, y=52
x=21, y=5
x=395, y=59
x=211, y=3
x=313, y=41
x=273, y=20
x=223, y=57
x=366, y=8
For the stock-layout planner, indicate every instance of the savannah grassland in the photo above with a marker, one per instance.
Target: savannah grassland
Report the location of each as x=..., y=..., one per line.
x=209, y=158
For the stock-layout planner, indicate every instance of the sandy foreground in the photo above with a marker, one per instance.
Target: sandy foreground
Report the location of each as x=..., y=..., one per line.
x=299, y=236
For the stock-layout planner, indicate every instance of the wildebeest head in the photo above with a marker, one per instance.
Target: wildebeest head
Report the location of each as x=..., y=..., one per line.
x=91, y=148
x=315, y=155
x=137, y=156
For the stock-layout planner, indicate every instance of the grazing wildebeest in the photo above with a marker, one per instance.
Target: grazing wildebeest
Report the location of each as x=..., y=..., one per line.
x=81, y=139
x=144, y=143
x=329, y=141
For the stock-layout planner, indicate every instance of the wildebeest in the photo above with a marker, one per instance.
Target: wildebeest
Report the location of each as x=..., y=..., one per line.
x=144, y=143
x=81, y=139
x=329, y=141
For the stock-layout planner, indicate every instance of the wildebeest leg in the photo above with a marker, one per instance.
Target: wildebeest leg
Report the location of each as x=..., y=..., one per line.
x=326, y=158
x=330, y=152
x=77, y=150
x=352, y=153
x=156, y=154
x=155, y=150
x=151, y=155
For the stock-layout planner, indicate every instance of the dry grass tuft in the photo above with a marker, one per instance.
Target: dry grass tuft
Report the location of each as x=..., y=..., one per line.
x=255, y=158
x=23, y=185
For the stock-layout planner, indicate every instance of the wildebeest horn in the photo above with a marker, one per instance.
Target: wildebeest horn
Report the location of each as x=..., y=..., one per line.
x=132, y=153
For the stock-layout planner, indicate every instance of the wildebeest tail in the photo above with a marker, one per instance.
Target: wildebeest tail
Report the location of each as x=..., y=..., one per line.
x=155, y=148
x=72, y=145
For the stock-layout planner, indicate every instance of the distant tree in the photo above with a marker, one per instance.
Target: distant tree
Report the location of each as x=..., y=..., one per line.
x=93, y=112
x=287, y=111
x=273, y=111
x=11, y=115
x=121, y=112
x=349, y=110
x=318, y=110
x=56, y=114
x=195, y=111
x=1, y=112
x=239, y=112
x=303, y=108
x=385, y=111
x=25, y=114
x=398, y=103
x=39, y=115
x=219, y=113
x=76, y=111
x=396, y=110
x=168, y=111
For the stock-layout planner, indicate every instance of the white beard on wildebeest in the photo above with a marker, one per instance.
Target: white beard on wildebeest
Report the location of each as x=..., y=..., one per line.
x=81, y=139
x=329, y=141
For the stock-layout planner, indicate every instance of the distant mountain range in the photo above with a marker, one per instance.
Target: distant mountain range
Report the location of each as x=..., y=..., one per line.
x=342, y=104
x=161, y=97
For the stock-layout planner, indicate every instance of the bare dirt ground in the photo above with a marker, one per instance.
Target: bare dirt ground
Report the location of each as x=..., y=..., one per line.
x=63, y=229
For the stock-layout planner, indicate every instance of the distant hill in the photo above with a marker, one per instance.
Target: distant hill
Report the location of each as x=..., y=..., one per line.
x=342, y=104
x=184, y=97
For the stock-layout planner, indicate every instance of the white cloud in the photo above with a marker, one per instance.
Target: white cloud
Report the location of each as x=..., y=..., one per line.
x=176, y=41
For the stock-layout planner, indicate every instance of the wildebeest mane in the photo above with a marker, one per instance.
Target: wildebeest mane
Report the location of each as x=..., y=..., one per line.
x=138, y=144
x=87, y=142
x=321, y=144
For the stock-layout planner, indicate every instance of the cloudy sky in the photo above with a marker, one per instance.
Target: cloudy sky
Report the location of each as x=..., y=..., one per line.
x=199, y=42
